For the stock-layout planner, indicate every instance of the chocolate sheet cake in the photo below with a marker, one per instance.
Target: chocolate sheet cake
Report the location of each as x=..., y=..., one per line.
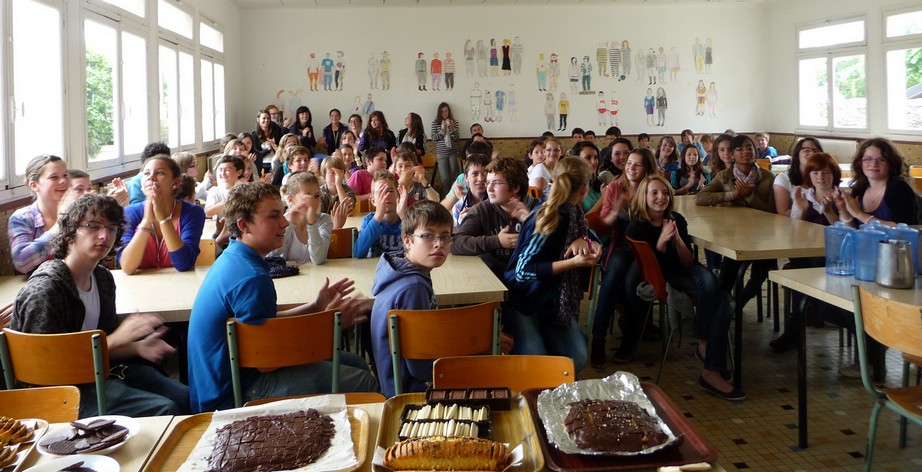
x=612, y=425
x=273, y=442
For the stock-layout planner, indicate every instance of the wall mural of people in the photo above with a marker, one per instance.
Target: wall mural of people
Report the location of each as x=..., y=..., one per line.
x=614, y=60
x=469, y=64
x=613, y=107
x=494, y=58
x=700, y=98
x=385, y=71
x=476, y=100
x=553, y=72
x=541, y=72
x=573, y=73
x=326, y=66
x=339, y=71
x=513, y=103
x=625, y=60
x=585, y=70
x=448, y=66
x=313, y=72
x=698, y=55
x=507, y=59
x=601, y=57
x=435, y=68
x=602, y=108
x=481, y=59
x=374, y=71
x=649, y=103
x=563, y=108
x=708, y=56
x=711, y=97
x=661, y=105
x=500, y=97
x=422, y=70
x=517, y=53
x=673, y=65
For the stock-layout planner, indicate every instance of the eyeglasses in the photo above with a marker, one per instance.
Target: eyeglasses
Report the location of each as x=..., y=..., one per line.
x=495, y=183
x=96, y=227
x=432, y=238
x=873, y=160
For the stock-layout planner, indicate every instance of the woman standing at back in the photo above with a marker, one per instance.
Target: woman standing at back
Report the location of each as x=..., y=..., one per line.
x=445, y=134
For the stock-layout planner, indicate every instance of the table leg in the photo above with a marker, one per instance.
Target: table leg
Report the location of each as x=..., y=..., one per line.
x=738, y=330
x=774, y=286
x=801, y=374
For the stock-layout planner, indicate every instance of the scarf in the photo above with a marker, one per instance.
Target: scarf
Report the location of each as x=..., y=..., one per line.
x=751, y=178
x=571, y=287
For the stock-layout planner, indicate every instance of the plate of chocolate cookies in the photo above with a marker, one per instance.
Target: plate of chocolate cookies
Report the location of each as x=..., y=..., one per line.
x=97, y=435
x=79, y=463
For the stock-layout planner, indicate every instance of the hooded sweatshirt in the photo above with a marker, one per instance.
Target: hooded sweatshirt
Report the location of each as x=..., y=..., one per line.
x=399, y=285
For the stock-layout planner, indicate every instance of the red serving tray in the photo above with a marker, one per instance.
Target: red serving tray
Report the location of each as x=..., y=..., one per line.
x=691, y=446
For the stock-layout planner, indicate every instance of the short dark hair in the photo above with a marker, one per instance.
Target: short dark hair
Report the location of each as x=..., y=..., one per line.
x=88, y=205
x=588, y=132
x=475, y=160
x=174, y=167
x=242, y=201
x=642, y=136
x=371, y=152
x=620, y=140
x=77, y=174
x=576, y=131
x=425, y=213
x=613, y=131
x=235, y=160
x=479, y=147
x=578, y=147
x=186, y=187
x=153, y=149
x=514, y=171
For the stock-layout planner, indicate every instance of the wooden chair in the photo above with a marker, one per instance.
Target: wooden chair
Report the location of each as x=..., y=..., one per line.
x=207, y=254
x=56, y=359
x=533, y=191
x=341, y=241
x=59, y=404
x=653, y=275
x=915, y=173
x=284, y=341
x=895, y=325
x=352, y=398
x=428, y=161
x=764, y=163
x=516, y=372
x=362, y=206
x=432, y=334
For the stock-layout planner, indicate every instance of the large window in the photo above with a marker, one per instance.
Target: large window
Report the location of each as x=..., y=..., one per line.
x=101, y=41
x=213, y=126
x=903, y=46
x=177, y=96
x=832, y=94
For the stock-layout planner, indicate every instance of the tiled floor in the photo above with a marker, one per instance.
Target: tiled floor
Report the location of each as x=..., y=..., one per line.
x=760, y=433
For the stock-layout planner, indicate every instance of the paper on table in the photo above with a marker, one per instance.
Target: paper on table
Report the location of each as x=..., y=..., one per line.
x=340, y=455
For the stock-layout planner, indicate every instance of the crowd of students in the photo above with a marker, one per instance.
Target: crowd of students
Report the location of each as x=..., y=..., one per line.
x=272, y=194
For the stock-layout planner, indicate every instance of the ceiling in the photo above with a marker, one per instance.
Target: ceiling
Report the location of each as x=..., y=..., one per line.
x=378, y=3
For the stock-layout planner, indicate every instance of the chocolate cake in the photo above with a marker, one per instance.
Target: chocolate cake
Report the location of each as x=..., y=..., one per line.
x=273, y=442
x=612, y=426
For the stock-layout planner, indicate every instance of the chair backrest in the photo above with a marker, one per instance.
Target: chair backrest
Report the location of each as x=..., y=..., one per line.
x=352, y=398
x=427, y=160
x=894, y=324
x=649, y=267
x=284, y=341
x=431, y=334
x=516, y=372
x=533, y=191
x=56, y=359
x=764, y=163
x=207, y=254
x=915, y=171
x=594, y=222
x=362, y=207
x=341, y=241
x=59, y=404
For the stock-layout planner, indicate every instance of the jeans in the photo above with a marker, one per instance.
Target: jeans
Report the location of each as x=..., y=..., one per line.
x=536, y=335
x=714, y=311
x=315, y=377
x=144, y=392
x=619, y=282
x=448, y=171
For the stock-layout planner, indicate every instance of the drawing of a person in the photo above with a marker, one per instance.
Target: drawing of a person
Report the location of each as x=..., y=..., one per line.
x=586, y=70
x=469, y=58
x=357, y=105
x=500, y=104
x=553, y=72
x=550, y=109
x=517, y=51
x=614, y=60
x=651, y=67
x=513, y=103
x=698, y=54
x=481, y=58
x=340, y=70
x=422, y=69
x=573, y=72
x=602, y=108
x=541, y=72
x=711, y=97
x=369, y=106
x=563, y=107
x=673, y=65
x=494, y=58
x=601, y=56
x=708, y=56
x=327, y=65
x=649, y=102
x=488, y=105
x=313, y=71
x=507, y=61
x=641, y=63
x=661, y=64
x=661, y=106
x=385, y=71
x=374, y=68
x=613, y=108
x=449, y=67
x=435, y=68
x=476, y=97
x=625, y=60
x=700, y=98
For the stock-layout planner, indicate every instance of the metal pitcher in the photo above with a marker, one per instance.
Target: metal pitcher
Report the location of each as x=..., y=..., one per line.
x=894, y=264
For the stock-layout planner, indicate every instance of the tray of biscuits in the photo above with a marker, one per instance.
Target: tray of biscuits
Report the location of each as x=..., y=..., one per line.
x=510, y=443
x=17, y=439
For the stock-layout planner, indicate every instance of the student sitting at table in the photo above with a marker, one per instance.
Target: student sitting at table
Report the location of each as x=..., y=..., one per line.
x=545, y=285
x=765, y=151
x=412, y=184
x=32, y=228
x=590, y=153
x=491, y=227
x=297, y=160
x=460, y=186
x=691, y=176
x=337, y=198
x=307, y=237
x=475, y=171
x=786, y=182
x=744, y=184
x=380, y=232
x=238, y=286
x=185, y=189
x=135, y=195
x=666, y=231
x=879, y=192
x=229, y=169
x=72, y=293
x=347, y=153
x=402, y=282
x=360, y=180
x=161, y=231
x=667, y=157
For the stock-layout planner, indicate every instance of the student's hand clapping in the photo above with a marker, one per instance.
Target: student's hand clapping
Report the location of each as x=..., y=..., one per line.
x=668, y=234
x=507, y=238
x=851, y=204
x=519, y=211
x=330, y=293
x=800, y=201
x=354, y=310
x=119, y=192
x=402, y=198
x=458, y=190
x=380, y=192
x=341, y=211
x=588, y=258
x=741, y=189
x=578, y=247
x=153, y=347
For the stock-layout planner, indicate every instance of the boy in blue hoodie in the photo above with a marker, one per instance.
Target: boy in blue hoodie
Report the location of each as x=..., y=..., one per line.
x=402, y=282
x=380, y=230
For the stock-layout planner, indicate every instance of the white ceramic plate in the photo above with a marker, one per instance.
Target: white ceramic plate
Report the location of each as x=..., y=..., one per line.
x=133, y=428
x=95, y=462
x=38, y=429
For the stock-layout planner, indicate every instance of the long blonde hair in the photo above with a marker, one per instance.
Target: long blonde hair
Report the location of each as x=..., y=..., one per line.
x=570, y=176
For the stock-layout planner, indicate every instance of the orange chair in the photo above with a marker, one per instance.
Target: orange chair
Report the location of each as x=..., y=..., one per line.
x=516, y=372
x=764, y=163
x=653, y=275
x=341, y=241
x=432, y=334
x=533, y=191
x=915, y=173
x=59, y=404
x=207, y=254
x=352, y=398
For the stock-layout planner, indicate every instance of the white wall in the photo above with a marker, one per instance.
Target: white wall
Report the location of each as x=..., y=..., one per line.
x=785, y=16
x=273, y=62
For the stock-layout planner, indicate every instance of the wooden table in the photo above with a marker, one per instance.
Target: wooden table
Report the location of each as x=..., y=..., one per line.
x=133, y=455
x=837, y=291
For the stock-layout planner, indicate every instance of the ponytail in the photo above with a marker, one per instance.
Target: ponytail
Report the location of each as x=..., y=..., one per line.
x=570, y=175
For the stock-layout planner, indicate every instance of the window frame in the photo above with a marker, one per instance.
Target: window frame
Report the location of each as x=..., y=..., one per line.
x=888, y=44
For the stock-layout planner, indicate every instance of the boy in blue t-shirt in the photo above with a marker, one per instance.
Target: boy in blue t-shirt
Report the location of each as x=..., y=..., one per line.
x=380, y=232
x=763, y=148
x=402, y=282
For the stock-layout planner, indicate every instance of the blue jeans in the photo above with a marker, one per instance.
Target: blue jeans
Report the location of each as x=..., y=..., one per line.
x=316, y=377
x=535, y=334
x=619, y=282
x=714, y=311
x=144, y=392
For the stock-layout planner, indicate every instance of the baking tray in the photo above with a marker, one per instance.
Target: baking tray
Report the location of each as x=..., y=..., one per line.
x=175, y=448
x=512, y=426
x=692, y=446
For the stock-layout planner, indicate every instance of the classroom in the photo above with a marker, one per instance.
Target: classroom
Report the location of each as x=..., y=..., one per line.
x=189, y=72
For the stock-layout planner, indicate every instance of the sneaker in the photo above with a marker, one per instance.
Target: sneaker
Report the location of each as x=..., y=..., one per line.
x=597, y=353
